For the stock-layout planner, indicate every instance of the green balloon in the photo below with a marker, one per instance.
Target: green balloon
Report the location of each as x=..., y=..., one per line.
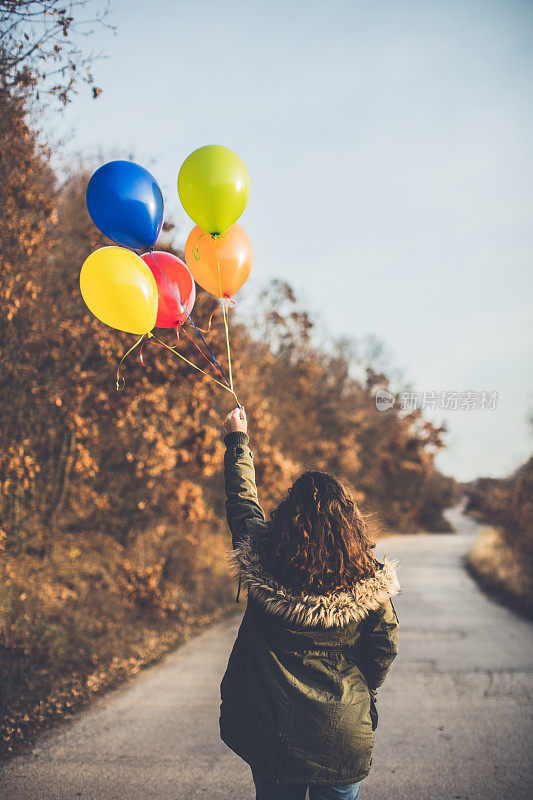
x=214, y=187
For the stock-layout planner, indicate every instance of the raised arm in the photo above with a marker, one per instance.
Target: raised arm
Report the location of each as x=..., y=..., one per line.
x=239, y=476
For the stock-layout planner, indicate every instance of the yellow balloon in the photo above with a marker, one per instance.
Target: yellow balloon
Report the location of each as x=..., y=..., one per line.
x=119, y=289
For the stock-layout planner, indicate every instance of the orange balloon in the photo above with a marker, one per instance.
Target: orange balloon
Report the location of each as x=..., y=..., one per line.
x=220, y=265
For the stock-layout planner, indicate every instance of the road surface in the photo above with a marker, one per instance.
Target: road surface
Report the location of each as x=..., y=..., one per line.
x=455, y=712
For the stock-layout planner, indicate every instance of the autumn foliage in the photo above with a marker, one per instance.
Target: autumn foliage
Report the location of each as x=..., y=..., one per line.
x=502, y=558
x=112, y=509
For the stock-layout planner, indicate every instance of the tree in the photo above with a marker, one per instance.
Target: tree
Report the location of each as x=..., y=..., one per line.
x=40, y=45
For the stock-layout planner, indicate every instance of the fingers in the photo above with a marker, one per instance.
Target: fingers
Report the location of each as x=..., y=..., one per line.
x=235, y=421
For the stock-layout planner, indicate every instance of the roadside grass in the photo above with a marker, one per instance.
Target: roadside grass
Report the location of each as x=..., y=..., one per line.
x=502, y=570
x=88, y=613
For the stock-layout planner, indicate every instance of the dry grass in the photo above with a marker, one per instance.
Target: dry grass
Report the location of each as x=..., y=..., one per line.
x=502, y=569
x=89, y=613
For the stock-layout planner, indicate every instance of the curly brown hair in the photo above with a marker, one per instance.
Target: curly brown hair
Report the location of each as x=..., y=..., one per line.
x=318, y=540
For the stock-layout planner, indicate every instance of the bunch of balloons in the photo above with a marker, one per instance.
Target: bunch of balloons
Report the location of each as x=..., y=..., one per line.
x=138, y=291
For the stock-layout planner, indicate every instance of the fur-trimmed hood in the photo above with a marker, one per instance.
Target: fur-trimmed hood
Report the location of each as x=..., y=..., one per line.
x=310, y=610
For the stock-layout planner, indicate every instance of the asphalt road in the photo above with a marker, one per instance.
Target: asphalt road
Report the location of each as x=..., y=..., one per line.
x=455, y=712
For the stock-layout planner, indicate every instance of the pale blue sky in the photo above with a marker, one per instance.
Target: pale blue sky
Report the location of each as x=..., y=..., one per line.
x=389, y=146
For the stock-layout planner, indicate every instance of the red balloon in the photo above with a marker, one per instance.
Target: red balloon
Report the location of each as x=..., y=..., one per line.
x=169, y=271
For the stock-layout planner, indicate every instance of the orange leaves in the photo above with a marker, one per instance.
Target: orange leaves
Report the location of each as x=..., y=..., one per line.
x=84, y=464
x=144, y=586
x=20, y=469
x=189, y=502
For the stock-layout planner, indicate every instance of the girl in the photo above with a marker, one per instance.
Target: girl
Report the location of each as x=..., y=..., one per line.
x=316, y=640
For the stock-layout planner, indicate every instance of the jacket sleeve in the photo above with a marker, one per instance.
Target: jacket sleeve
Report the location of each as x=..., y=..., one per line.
x=378, y=645
x=239, y=477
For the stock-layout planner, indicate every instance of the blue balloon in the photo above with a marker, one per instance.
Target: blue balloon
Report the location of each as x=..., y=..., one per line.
x=125, y=202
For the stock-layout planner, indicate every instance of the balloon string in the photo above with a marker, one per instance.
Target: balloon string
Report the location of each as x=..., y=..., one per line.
x=224, y=311
x=200, y=350
x=120, y=385
x=225, y=324
x=208, y=329
x=162, y=344
x=196, y=250
x=218, y=308
x=141, y=359
x=189, y=317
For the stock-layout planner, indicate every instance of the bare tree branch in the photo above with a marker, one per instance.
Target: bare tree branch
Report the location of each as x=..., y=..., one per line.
x=41, y=40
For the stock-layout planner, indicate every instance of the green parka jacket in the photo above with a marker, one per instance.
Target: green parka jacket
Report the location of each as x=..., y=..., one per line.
x=298, y=693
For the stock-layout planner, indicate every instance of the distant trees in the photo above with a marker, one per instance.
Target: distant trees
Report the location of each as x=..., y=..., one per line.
x=502, y=555
x=508, y=504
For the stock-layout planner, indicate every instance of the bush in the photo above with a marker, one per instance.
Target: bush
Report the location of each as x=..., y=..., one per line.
x=507, y=504
x=502, y=571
